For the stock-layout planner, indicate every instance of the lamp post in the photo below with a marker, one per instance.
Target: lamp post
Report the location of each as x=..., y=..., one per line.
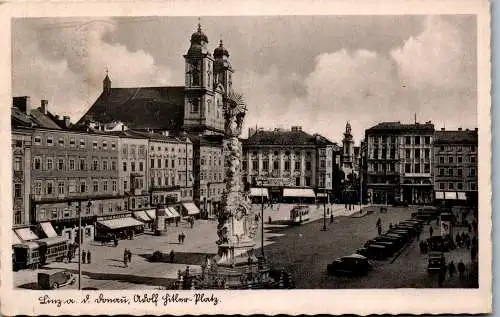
x=262, y=216
x=80, y=242
x=324, y=216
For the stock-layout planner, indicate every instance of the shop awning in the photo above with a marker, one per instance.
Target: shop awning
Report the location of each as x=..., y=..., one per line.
x=191, y=208
x=151, y=213
x=168, y=213
x=439, y=195
x=259, y=192
x=174, y=212
x=298, y=192
x=461, y=196
x=142, y=216
x=48, y=229
x=450, y=195
x=27, y=245
x=321, y=195
x=15, y=238
x=120, y=223
x=52, y=240
x=26, y=234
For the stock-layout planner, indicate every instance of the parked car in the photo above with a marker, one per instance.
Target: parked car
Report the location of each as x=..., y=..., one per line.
x=354, y=264
x=377, y=251
x=436, y=262
x=53, y=279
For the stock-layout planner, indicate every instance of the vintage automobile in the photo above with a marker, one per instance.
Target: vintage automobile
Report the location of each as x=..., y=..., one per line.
x=436, y=262
x=354, y=265
x=375, y=251
x=53, y=279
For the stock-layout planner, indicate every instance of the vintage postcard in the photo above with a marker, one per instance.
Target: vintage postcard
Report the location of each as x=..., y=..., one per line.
x=250, y=157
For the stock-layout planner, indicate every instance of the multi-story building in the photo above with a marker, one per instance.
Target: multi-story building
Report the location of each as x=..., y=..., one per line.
x=185, y=168
x=21, y=180
x=208, y=173
x=291, y=164
x=456, y=166
x=399, y=160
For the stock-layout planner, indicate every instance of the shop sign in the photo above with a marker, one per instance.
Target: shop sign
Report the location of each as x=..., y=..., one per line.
x=114, y=217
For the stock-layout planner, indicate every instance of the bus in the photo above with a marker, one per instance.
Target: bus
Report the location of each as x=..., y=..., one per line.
x=299, y=214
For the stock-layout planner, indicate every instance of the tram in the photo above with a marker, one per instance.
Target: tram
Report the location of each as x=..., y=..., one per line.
x=33, y=254
x=299, y=214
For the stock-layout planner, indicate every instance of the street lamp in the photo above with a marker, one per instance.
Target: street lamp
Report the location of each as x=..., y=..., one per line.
x=324, y=216
x=262, y=216
x=80, y=241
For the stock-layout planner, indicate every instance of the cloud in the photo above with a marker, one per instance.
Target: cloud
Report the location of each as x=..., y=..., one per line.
x=67, y=64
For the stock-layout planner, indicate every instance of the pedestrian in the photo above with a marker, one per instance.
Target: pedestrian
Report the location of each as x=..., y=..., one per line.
x=179, y=238
x=431, y=231
x=270, y=219
x=125, y=257
x=172, y=255
x=89, y=257
x=379, y=222
x=451, y=269
x=129, y=256
x=458, y=240
x=83, y=256
x=183, y=236
x=379, y=228
x=176, y=222
x=461, y=269
x=331, y=218
x=192, y=222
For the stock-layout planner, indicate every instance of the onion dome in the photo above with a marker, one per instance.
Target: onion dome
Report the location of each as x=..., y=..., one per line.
x=220, y=51
x=198, y=37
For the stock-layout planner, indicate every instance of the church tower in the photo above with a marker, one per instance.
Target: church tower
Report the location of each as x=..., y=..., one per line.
x=347, y=150
x=106, y=84
x=199, y=101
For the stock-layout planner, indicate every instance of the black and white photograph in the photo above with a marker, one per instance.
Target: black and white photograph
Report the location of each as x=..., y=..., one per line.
x=192, y=155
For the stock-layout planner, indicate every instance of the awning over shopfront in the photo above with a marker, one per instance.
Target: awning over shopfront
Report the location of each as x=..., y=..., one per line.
x=15, y=238
x=48, y=229
x=52, y=240
x=120, y=223
x=321, y=195
x=450, y=195
x=259, y=192
x=298, y=192
x=151, y=213
x=26, y=234
x=173, y=212
x=142, y=216
x=461, y=196
x=191, y=208
x=439, y=195
x=168, y=213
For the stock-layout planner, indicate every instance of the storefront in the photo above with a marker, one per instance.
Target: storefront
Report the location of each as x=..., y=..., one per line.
x=299, y=195
x=26, y=234
x=190, y=209
x=48, y=230
x=259, y=195
x=122, y=227
x=68, y=228
x=143, y=217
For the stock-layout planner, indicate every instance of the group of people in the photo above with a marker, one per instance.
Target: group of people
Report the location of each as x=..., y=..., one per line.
x=127, y=257
x=463, y=240
x=451, y=269
x=86, y=255
x=181, y=237
x=379, y=226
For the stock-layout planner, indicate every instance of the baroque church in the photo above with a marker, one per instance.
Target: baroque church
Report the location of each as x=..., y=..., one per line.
x=196, y=107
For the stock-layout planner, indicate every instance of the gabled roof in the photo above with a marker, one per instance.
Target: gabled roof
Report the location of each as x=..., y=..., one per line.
x=140, y=108
x=455, y=137
x=295, y=138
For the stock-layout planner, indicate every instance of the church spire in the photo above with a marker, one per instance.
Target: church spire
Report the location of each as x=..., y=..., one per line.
x=106, y=83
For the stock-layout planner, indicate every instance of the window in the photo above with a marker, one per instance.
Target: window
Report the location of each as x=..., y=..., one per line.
x=95, y=165
x=427, y=153
x=113, y=165
x=125, y=185
x=60, y=188
x=441, y=160
x=37, y=140
x=472, y=186
x=82, y=165
x=407, y=168
x=417, y=153
x=450, y=159
x=113, y=146
x=50, y=141
x=244, y=165
x=82, y=143
x=450, y=186
x=460, y=172
x=49, y=188
x=104, y=165
x=287, y=165
x=72, y=142
x=450, y=172
x=159, y=163
x=459, y=159
x=17, y=190
x=441, y=148
x=38, y=188
x=94, y=144
x=124, y=166
x=61, y=142
x=408, y=140
x=113, y=185
x=308, y=181
x=417, y=140
x=132, y=166
x=72, y=164
x=83, y=187
x=60, y=164
x=427, y=140
x=472, y=148
x=53, y=213
x=105, y=186
x=95, y=186
x=173, y=163
x=276, y=165
x=417, y=168
x=255, y=165
x=460, y=186
x=473, y=159
x=152, y=163
x=441, y=172
x=459, y=148
x=297, y=181
x=104, y=145
x=321, y=164
x=308, y=167
x=17, y=164
x=472, y=172
x=427, y=168
x=50, y=163
x=297, y=165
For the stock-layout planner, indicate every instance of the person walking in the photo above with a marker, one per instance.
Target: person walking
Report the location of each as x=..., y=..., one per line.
x=379, y=228
x=431, y=231
x=451, y=269
x=331, y=217
x=129, y=256
x=461, y=269
x=270, y=220
x=125, y=257
x=183, y=236
x=172, y=256
x=179, y=238
x=379, y=222
x=83, y=256
x=89, y=257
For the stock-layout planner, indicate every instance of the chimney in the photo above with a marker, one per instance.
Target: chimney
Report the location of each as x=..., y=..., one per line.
x=475, y=129
x=44, y=105
x=66, y=121
x=251, y=131
x=442, y=129
x=467, y=129
x=459, y=129
x=22, y=103
x=296, y=128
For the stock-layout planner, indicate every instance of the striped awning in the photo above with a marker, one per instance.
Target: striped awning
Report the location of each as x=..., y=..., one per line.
x=321, y=195
x=15, y=238
x=142, y=216
x=151, y=213
x=26, y=234
x=191, y=208
x=173, y=212
x=48, y=229
x=439, y=195
x=450, y=195
x=259, y=192
x=120, y=223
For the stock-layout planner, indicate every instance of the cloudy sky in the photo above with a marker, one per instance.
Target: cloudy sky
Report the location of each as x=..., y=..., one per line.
x=313, y=71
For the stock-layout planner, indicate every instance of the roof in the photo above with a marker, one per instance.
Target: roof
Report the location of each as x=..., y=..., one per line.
x=207, y=140
x=36, y=118
x=140, y=107
x=455, y=137
x=286, y=138
x=401, y=127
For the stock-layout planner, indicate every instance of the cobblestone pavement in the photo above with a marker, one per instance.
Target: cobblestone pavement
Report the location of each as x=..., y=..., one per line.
x=305, y=250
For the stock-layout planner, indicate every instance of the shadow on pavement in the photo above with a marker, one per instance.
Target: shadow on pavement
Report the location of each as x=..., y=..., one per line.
x=188, y=258
x=31, y=285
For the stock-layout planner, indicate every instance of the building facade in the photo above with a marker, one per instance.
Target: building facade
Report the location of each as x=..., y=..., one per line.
x=456, y=166
x=21, y=177
x=399, y=160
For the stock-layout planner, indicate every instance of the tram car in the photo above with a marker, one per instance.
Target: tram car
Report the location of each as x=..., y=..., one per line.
x=299, y=214
x=33, y=254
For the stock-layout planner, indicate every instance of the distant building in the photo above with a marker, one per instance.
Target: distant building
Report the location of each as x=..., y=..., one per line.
x=399, y=160
x=348, y=160
x=456, y=166
x=291, y=164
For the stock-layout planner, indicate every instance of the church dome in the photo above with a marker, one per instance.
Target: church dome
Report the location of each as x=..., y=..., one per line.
x=198, y=37
x=220, y=51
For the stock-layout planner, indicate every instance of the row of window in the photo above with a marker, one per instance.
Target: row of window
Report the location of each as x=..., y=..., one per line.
x=459, y=172
x=276, y=165
x=217, y=177
x=417, y=168
x=287, y=153
x=140, y=151
x=73, y=164
x=216, y=162
x=307, y=181
x=172, y=149
x=458, y=148
x=459, y=159
x=62, y=142
x=64, y=212
x=211, y=191
x=50, y=187
x=157, y=163
x=459, y=186
x=408, y=140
